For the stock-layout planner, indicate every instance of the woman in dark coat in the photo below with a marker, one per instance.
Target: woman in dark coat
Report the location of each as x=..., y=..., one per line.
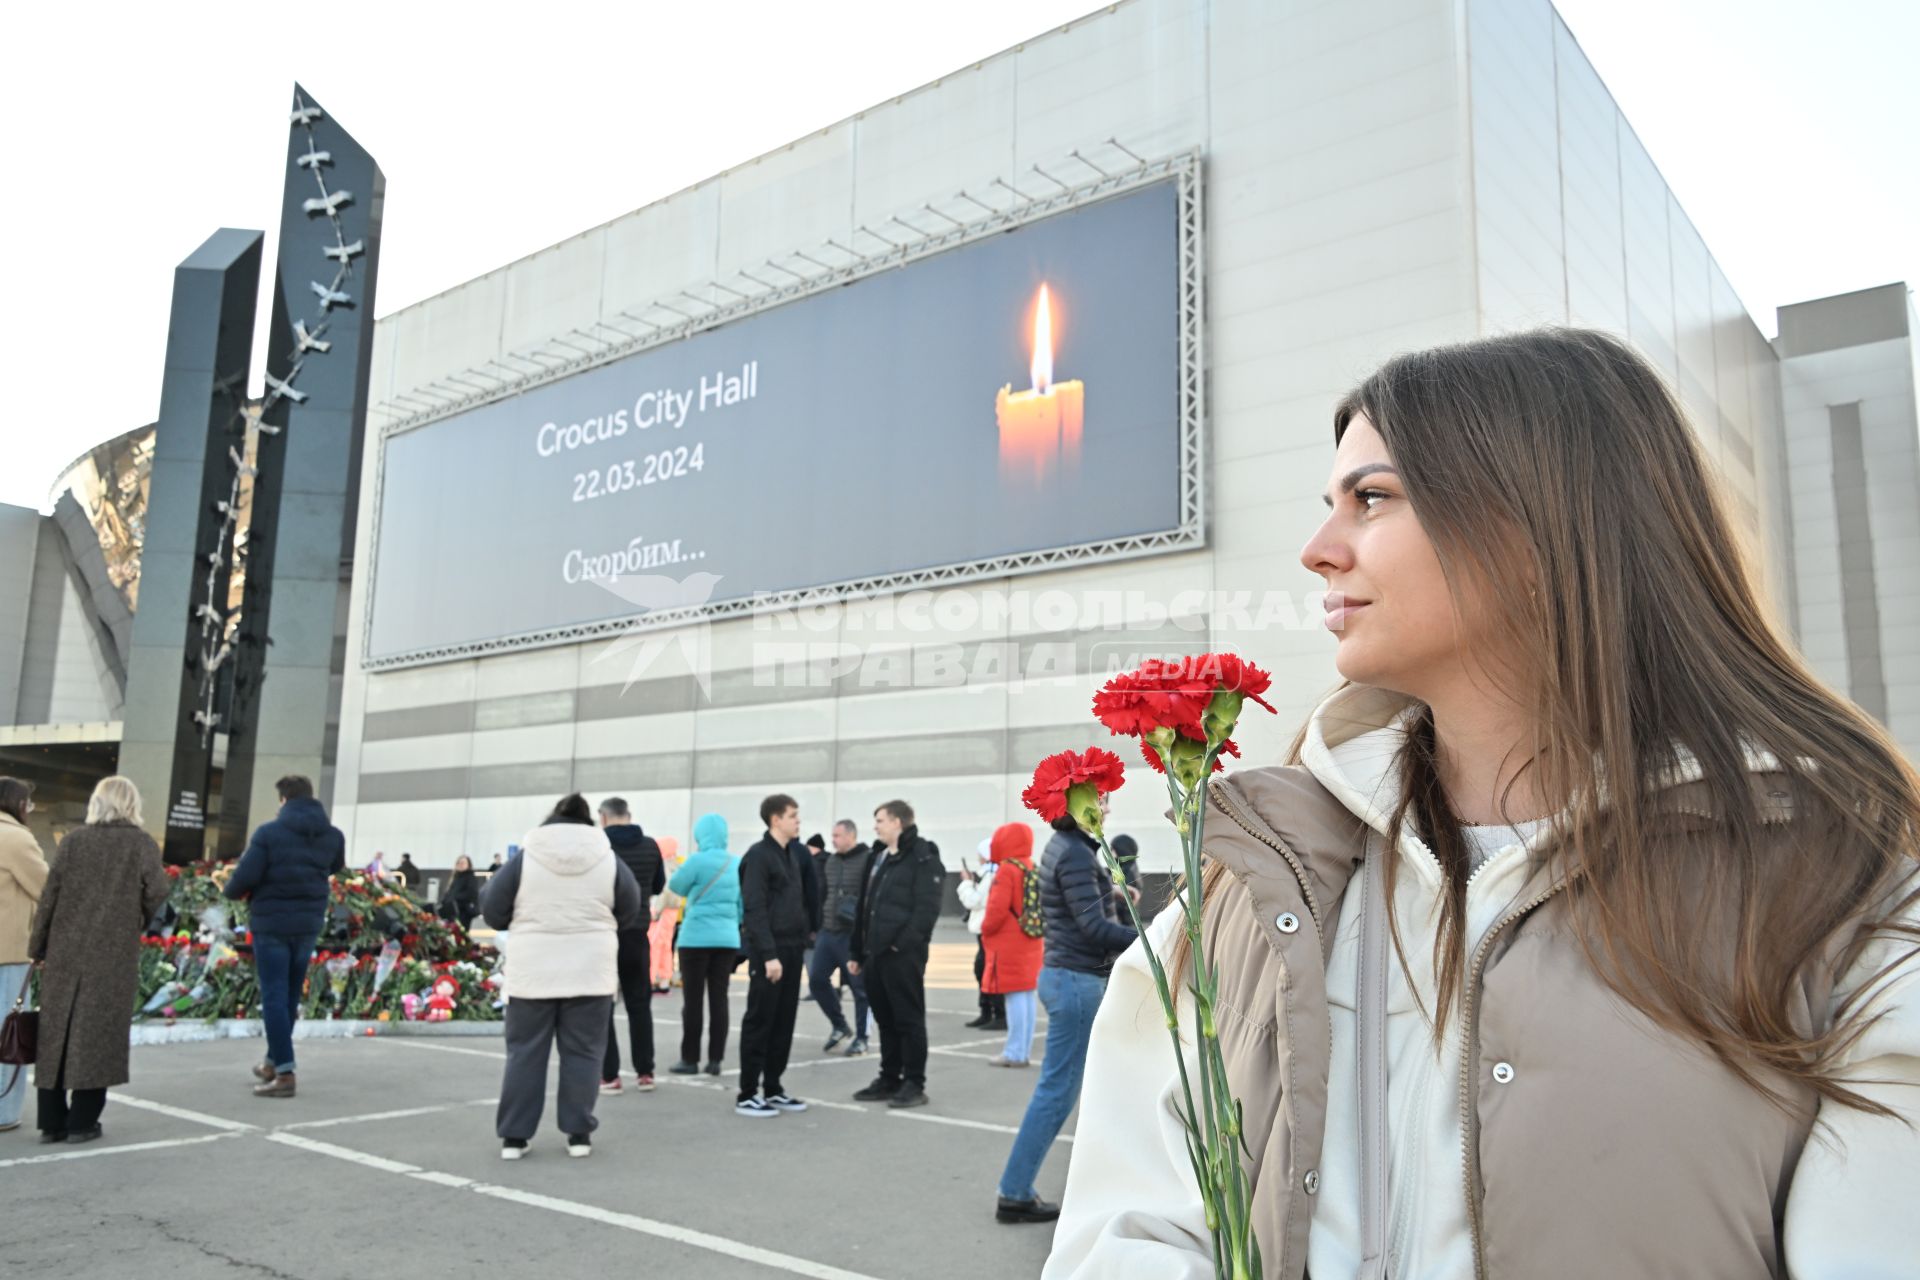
x=106, y=882
x=461, y=899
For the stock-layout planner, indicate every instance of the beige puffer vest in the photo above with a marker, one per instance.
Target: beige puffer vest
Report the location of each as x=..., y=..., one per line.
x=1604, y=1147
x=563, y=940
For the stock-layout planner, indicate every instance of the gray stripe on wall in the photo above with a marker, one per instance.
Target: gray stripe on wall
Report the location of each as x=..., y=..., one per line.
x=664, y=696
x=418, y=722
x=790, y=763
x=416, y=784
x=944, y=665
x=1859, y=592
x=666, y=771
x=975, y=753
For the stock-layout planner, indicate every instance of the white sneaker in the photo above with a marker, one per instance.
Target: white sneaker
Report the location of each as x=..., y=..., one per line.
x=755, y=1108
x=579, y=1145
x=513, y=1149
x=783, y=1102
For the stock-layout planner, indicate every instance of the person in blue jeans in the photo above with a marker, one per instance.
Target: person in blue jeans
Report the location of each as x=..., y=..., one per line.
x=843, y=880
x=1084, y=937
x=286, y=877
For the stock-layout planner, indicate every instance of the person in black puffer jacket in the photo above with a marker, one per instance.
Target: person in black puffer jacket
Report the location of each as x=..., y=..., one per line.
x=641, y=854
x=1084, y=938
x=286, y=877
x=891, y=936
x=1077, y=894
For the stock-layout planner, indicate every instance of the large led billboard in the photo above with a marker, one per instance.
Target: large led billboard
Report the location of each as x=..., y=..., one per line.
x=1019, y=393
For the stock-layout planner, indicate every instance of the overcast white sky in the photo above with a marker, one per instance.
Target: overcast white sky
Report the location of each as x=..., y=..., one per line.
x=1786, y=128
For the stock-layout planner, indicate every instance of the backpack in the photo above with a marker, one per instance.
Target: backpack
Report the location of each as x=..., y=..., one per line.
x=1033, y=918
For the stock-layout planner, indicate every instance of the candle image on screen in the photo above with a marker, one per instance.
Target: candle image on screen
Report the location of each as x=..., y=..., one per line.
x=1042, y=426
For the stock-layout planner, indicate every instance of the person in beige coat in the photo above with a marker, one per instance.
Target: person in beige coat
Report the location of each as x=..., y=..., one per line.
x=1577, y=938
x=106, y=882
x=23, y=871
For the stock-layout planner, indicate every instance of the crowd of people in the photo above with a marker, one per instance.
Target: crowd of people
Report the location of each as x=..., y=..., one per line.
x=575, y=906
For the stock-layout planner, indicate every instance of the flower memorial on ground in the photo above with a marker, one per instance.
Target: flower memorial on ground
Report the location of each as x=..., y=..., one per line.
x=382, y=957
x=1184, y=714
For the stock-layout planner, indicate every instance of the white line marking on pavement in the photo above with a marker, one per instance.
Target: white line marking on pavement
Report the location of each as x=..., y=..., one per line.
x=84, y=1152
x=592, y=1213
x=668, y=1231
x=181, y=1113
x=342, y=1153
x=447, y=1048
x=966, y=1124
x=382, y=1115
x=983, y=1057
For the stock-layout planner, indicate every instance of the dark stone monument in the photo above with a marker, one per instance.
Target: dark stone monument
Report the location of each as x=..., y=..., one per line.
x=185, y=558
x=288, y=667
x=266, y=676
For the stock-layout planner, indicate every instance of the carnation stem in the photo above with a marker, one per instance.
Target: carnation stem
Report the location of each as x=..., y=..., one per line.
x=1215, y=1137
x=1195, y=1119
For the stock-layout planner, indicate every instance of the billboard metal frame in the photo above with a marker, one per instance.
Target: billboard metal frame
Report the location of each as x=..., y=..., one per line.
x=461, y=392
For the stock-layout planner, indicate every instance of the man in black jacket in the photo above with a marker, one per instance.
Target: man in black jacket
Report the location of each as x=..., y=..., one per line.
x=286, y=876
x=779, y=910
x=637, y=850
x=891, y=934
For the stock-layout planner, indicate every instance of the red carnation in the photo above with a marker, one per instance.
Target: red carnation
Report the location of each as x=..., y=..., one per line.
x=1060, y=773
x=1159, y=695
x=1234, y=674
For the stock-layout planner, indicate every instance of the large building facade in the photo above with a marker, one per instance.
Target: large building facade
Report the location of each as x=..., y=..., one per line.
x=1364, y=178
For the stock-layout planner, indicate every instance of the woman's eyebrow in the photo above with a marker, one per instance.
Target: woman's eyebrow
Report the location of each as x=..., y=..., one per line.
x=1359, y=473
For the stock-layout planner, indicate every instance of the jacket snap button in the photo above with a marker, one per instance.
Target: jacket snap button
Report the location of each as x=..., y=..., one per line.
x=1503, y=1072
x=1287, y=922
x=1311, y=1182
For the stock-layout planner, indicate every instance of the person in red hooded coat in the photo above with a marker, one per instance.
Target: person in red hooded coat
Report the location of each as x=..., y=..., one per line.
x=1013, y=955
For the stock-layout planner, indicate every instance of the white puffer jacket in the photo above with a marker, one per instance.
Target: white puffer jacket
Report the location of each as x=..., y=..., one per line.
x=563, y=940
x=973, y=893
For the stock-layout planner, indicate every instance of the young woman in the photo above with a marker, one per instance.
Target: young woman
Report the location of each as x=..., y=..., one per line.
x=460, y=900
x=1579, y=939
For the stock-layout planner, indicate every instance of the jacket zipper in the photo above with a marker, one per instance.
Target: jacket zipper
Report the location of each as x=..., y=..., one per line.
x=1469, y=1039
x=1265, y=835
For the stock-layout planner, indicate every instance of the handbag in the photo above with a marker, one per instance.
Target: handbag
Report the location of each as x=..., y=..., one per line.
x=19, y=1040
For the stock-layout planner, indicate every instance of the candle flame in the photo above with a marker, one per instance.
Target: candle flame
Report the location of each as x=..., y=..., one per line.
x=1043, y=344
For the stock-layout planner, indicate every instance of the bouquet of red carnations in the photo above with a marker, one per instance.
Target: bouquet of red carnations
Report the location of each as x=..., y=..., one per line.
x=1184, y=714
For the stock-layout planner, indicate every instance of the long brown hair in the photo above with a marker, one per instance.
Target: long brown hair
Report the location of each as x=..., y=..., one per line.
x=1646, y=650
